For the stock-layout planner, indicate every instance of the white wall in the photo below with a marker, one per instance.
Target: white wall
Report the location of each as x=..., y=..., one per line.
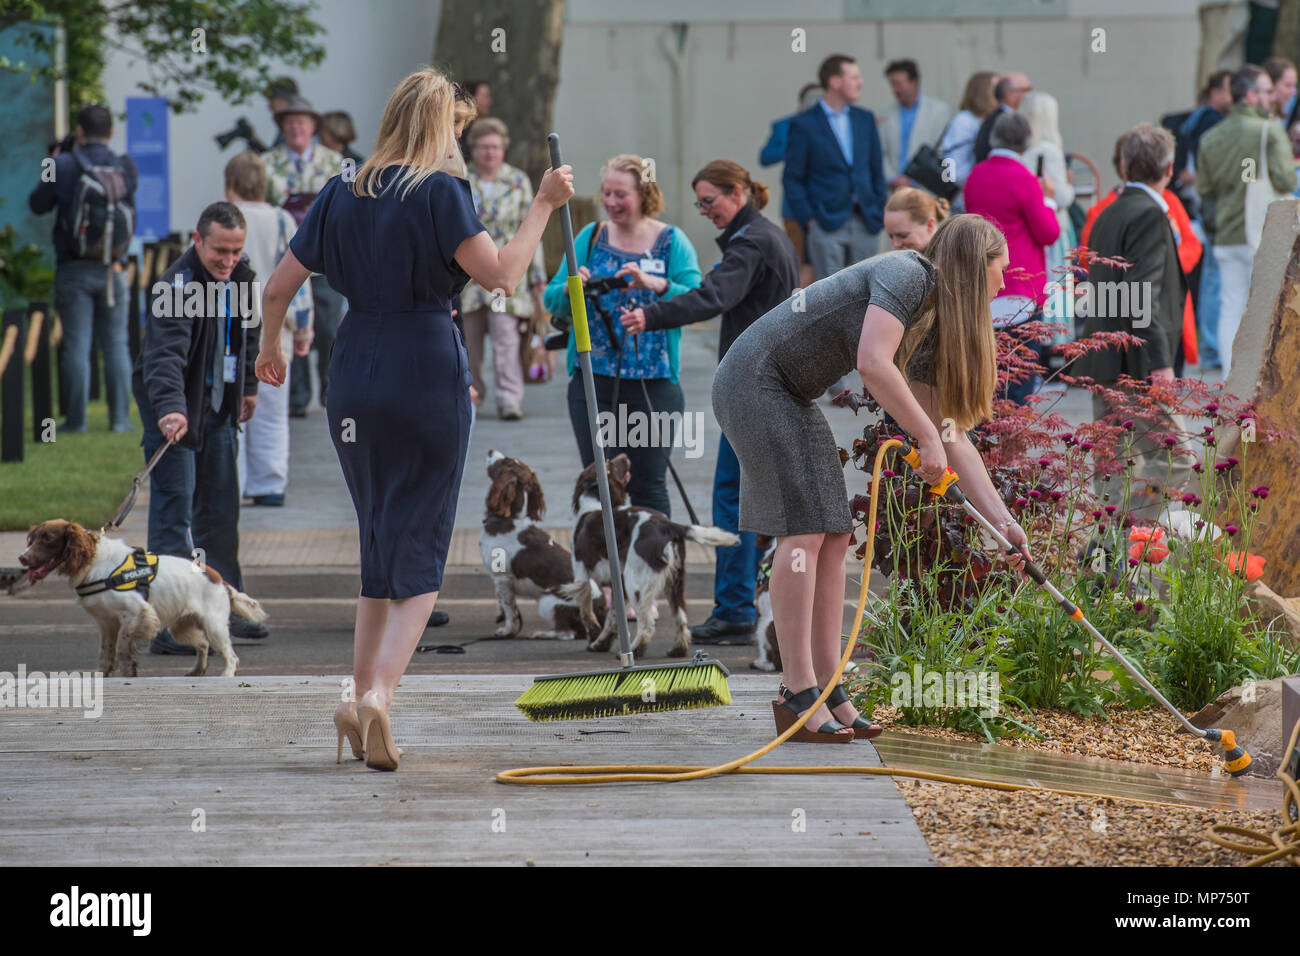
x=368, y=49
x=615, y=92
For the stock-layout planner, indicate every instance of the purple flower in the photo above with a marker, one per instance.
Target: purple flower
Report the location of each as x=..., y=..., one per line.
x=886, y=473
x=1232, y=461
x=1222, y=465
x=1086, y=445
x=1055, y=495
x=1035, y=494
x=1190, y=498
x=1199, y=525
x=1134, y=562
x=1021, y=502
x=1097, y=514
x=1231, y=529
x=1111, y=509
x=1198, y=467
x=1211, y=408
x=1139, y=606
x=1044, y=462
x=1068, y=439
x=1129, y=425
x=1170, y=441
x=1260, y=492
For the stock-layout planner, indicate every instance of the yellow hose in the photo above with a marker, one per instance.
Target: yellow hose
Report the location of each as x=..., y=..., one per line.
x=668, y=773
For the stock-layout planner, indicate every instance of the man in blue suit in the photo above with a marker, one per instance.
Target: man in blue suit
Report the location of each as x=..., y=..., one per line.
x=833, y=172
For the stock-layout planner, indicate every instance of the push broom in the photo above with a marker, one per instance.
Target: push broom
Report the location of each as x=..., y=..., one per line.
x=700, y=682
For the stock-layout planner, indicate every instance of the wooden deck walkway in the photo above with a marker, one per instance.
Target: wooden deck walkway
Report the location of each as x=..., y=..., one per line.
x=256, y=756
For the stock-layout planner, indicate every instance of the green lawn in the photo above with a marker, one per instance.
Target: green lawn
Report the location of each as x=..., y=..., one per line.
x=81, y=477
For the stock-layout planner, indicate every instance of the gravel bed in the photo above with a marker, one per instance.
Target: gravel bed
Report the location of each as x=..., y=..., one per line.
x=968, y=826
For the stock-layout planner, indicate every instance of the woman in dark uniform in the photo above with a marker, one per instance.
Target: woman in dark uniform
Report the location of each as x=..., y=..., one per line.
x=399, y=242
x=918, y=330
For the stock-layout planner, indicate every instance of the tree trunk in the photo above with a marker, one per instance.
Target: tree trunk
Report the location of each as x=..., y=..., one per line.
x=521, y=64
x=514, y=45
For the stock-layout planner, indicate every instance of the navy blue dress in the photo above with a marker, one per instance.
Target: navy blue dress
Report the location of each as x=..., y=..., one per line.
x=398, y=402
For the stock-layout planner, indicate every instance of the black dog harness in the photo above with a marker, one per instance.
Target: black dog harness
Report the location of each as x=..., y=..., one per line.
x=133, y=574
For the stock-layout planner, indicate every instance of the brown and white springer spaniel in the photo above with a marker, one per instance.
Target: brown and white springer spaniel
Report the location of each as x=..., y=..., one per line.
x=189, y=598
x=523, y=560
x=652, y=551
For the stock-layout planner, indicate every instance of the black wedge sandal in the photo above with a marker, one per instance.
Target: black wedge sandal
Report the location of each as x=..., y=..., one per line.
x=791, y=706
x=863, y=729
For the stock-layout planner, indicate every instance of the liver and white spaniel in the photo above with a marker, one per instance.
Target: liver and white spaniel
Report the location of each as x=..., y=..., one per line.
x=133, y=598
x=524, y=561
x=653, y=553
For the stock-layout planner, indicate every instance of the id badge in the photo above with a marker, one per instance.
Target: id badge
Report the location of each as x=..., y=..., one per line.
x=652, y=266
x=231, y=368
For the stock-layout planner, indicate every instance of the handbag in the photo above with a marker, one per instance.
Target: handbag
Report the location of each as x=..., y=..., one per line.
x=926, y=167
x=1259, y=194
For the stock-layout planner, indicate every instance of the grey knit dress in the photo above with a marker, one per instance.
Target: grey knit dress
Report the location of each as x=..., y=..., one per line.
x=767, y=385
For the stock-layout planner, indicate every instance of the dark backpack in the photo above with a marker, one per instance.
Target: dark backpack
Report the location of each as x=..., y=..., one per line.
x=100, y=220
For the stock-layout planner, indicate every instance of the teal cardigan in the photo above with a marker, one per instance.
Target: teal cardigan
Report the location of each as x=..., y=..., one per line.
x=683, y=276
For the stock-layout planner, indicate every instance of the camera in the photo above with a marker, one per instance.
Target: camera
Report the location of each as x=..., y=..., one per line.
x=241, y=130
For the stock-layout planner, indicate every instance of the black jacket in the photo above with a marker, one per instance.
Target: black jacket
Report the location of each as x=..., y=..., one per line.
x=60, y=191
x=1136, y=228
x=982, y=145
x=177, y=350
x=758, y=272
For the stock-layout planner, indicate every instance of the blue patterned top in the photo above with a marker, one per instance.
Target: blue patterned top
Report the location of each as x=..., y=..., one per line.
x=654, y=354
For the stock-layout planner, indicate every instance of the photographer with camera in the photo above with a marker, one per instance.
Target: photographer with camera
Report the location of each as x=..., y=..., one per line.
x=94, y=191
x=653, y=261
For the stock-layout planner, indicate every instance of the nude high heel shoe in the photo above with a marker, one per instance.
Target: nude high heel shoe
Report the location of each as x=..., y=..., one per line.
x=381, y=751
x=347, y=724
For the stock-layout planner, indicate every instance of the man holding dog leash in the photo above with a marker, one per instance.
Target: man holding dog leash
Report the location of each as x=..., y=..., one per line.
x=194, y=383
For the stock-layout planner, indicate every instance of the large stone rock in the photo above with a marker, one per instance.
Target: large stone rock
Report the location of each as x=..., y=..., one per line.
x=1265, y=605
x=1253, y=712
x=1265, y=360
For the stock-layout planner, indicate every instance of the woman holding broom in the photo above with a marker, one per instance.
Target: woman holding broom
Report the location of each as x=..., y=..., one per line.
x=399, y=242
x=918, y=331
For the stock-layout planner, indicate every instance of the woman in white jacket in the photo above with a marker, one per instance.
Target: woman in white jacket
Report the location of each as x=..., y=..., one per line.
x=1040, y=109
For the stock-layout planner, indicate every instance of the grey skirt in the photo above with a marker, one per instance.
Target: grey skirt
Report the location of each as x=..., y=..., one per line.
x=791, y=481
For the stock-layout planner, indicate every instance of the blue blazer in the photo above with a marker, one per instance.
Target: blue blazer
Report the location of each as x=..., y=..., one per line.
x=819, y=183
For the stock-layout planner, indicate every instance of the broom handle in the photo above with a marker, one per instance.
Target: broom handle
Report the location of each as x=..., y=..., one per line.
x=582, y=341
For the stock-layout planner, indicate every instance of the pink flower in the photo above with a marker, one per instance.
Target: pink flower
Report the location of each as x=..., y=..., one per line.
x=1198, y=467
x=1055, y=495
x=1134, y=562
x=1231, y=529
x=1139, y=606
x=1021, y=502
x=1222, y=465
x=1260, y=492
x=886, y=473
x=1044, y=462
x=1086, y=445
x=1129, y=425
x=1170, y=442
x=1110, y=509
x=1191, y=499
x=1211, y=408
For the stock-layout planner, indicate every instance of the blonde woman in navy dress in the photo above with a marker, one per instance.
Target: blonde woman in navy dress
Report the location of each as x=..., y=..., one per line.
x=399, y=242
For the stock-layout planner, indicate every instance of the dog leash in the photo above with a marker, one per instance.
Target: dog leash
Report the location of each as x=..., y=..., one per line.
x=136, y=483
x=618, y=378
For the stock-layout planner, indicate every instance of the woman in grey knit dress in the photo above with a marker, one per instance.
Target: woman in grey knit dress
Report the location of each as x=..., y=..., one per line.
x=917, y=329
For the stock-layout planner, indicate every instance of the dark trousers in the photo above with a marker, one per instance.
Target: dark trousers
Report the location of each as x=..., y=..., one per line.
x=737, y=566
x=328, y=308
x=649, y=464
x=194, y=494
